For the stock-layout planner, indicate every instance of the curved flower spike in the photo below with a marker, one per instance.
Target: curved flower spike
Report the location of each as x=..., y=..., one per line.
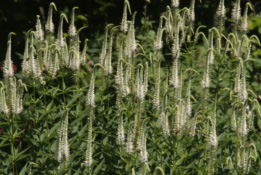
x=72, y=28
x=49, y=25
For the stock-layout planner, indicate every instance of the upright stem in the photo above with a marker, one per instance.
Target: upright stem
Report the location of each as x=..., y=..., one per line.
x=137, y=132
x=47, y=120
x=63, y=89
x=205, y=91
x=12, y=141
x=174, y=123
x=144, y=169
x=211, y=161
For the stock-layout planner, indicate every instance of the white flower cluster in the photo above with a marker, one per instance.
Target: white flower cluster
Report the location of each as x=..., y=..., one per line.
x=63, y=151
x=120, y=132
x=11, y=92
x=50, y=54
x=124, y=21
x=175, y=3
x=88, y=160
x=156, y=98
x=142, y=147
x=236, y=13
x=164, y=123
x=221, y=11
x=158, y=43
x=129, y=144
x=141, y=84
x=90, y=98
x=131, y=44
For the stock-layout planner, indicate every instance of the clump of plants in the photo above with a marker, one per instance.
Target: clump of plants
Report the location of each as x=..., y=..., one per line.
x=172, y=101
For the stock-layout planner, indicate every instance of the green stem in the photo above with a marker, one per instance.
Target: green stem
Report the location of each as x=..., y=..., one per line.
x=205, y=91
x=211, y=161
x=137, y=132
x=63, y=89
x=12, y=142
x=47, y=119
x=144, y=169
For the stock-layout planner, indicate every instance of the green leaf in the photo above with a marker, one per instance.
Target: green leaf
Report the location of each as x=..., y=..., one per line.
x=98, y=168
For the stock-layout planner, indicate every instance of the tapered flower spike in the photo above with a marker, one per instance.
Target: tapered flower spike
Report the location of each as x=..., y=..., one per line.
x=233, y=121
x=192, y=11
x=213, y=140
x=90, y=99
x=175, y=3
x=65, y=138
x=205, y=83
x=62, y=145
x=25, y=62
x=49, y=25
x=59, y=150
x=158, y=43
x=127, y=78
x=211, y=49
x=140, y=83
x=176, y=43
x=168, y=24
x=133, y=41
x=74, y=59
x=3, y=102
x=83, y=54
x=33, y=65
x=54, y=62
x=237, y=87
x=104, y=45
x=60, y=41
x=8, y=64
x=17, y=107
x=165, y=97
x=174, y=82
x=250, y=122
x=243, y=125
x=119, y=77
x=129, y=144
x=244, y=20
x=143, y=151
x=108, y=58
x=72, y=29
x=243, y=93
x=127, y=49
x=13, y=95
x=124, y=21
x=164, y=123
x=236, y=13
x=131, y=44
x=156, y=99
x=88, y=160
x=221, y=11
x=39, y=30
x=120, y=132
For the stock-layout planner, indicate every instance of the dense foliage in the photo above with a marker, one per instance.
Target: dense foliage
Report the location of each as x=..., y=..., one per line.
x=177, y=100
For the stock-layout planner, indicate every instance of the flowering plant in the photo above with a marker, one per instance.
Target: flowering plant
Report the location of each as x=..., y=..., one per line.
x=125, y=110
